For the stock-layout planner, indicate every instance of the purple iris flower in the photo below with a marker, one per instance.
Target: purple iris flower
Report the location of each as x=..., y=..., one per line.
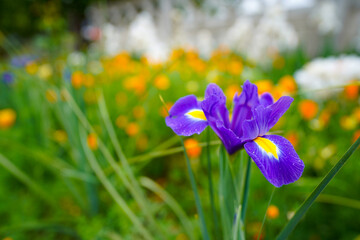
x=253, y=116
x=8, y=77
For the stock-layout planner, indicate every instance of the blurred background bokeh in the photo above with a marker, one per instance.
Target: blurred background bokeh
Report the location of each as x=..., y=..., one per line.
x=84, y=87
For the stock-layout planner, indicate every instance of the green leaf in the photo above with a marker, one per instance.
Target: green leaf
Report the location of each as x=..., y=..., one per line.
x=289, y=227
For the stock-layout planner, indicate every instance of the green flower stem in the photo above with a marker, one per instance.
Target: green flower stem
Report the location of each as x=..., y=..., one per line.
x=246, y=190
x=289, y=227
x=211, y=188
x=203, y=227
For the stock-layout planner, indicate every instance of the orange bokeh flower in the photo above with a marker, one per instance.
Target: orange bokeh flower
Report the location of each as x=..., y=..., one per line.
x=272, y=212
x=351, y=91
x=162, y=82
x=77, y=79
x=308, y=109
x=139, y=112
x=264, y=86
x=192, y=148
x=231, y=90
x=356, y=135
x=7, y=118
x=293, y=138
x=92, y=141
x=132, y=129
x=287, y=84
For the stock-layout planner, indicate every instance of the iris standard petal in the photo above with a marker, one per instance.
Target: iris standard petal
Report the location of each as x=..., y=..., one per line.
x=186, y=117
x=276, y=159
x=214, y=105
x=242, y=106
x=266, y=99
x=278, y=109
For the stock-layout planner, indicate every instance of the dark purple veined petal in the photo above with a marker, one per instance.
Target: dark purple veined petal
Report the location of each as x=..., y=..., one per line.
x=231, y=142
x=276, y=159
x=278, y=109
x=186, y=117
x=266, y=99
x=242, y=106
x=214, y=105
x=264, y=118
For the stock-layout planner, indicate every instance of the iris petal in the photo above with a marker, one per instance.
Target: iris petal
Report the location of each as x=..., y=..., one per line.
x=242, y=106
x=186, y=117
x=279, y=170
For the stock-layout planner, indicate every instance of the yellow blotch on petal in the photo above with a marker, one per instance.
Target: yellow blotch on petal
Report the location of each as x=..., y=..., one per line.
x=267, y=146
x=7, y=118
x=197, y=114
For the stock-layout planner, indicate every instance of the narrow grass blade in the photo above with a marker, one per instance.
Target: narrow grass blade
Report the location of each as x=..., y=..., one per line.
x=238, y=233
x=171, y=202
x=289, y=227
x=116, y=167
x=203, y=228
x=263, y=221
x=20, y=175
x=211, y=188
x=246, y=189
x=138, y=193
x=111, y=189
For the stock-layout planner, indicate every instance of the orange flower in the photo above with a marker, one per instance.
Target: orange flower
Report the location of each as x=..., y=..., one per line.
x=7, y=118
x=162, y=82
x=192, y=148
x=272, y=212
x=92, y=141
x=136, y=83
x=264, y=86
x=356, y=135
x=308, y=109
x=77, y=79
x=132, y=129
x=324, y=117
x=235, y=67
x=351, y=91
x=293, y=138
x=288, y=84
x=164, y=110
x=231, y=91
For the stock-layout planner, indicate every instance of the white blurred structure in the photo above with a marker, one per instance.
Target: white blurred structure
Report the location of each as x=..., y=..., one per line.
x=327, y=73
x=253, y=27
